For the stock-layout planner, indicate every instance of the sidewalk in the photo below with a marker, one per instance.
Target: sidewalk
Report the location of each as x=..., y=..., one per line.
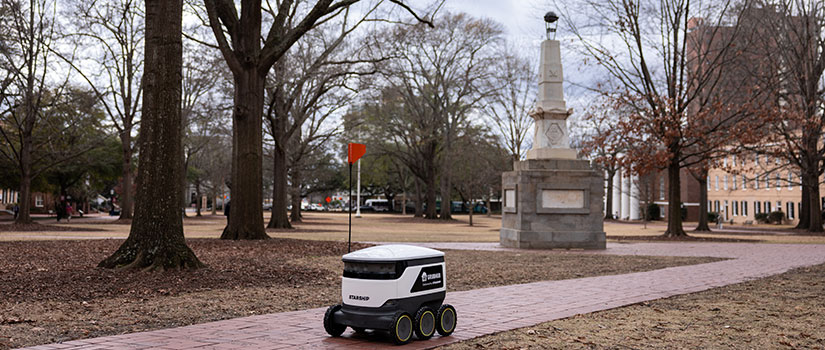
x=489, y=310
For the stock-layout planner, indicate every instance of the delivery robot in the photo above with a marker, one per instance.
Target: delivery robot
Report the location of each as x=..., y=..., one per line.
x=395, y=288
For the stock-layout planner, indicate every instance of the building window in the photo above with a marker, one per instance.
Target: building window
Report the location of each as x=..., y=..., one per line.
x=734, y=182
x=662, y=188
x=38, y=201
x=778, y=182
x=767, y=207
x=790, y=210
x=756, y=182
x=744, y=183
x=744, y=208
x=725, y=182
x=757, y=207
x=756, y=159
x=735, y=208
x=725, y=162
x=767, y=182
x=716, y=206
x=717, y=183
x=798, y=207
x=790, y=181
x=707, y=182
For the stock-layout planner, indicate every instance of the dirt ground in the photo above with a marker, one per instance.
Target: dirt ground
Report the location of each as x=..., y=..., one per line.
x=373, y=227
x=53, y=292
x=780, y=312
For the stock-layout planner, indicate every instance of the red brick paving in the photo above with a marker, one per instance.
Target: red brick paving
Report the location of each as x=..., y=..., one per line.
x=489, y=310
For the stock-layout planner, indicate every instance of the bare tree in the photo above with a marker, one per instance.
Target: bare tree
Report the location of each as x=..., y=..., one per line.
x=156, y=239
x=792, y=47
x=310, y=80
x=668, y=69
x=32, y=132
x=109, y=58
x=250, y=59
x=440, y=75
x=514, y=84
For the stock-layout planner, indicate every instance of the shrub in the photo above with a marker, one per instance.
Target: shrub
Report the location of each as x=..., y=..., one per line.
x=761, y=217
x=776, y=217
x=713, y=216
x=653, y=211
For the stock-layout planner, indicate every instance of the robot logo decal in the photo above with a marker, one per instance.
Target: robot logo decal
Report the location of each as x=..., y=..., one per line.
x=431, y=278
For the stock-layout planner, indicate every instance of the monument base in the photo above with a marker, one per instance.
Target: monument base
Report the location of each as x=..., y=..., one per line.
x=513, y=238
x=553, y=203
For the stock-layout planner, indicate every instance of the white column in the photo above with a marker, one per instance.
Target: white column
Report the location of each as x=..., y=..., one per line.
x=617, y=194
x=625, y=197
x=634, y=198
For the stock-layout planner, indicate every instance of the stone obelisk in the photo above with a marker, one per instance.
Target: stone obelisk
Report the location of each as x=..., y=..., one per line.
x=552, y=199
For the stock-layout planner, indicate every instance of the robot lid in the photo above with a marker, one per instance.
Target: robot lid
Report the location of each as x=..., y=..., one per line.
x=392, y=252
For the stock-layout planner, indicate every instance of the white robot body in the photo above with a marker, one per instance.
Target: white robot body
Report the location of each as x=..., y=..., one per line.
x=398, y=288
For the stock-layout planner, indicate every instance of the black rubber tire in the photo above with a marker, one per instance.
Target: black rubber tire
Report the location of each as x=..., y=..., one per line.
x=401, y=330
x=332, y=328
x=446, y=315
x=424, y=323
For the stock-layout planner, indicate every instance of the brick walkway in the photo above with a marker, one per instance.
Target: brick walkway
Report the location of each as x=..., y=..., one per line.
x=489, y=310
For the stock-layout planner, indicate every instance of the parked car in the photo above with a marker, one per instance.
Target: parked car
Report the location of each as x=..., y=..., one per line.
x=316, y=207
x=378, y=205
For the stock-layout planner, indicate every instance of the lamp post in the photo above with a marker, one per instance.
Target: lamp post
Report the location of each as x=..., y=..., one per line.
x=550, y=24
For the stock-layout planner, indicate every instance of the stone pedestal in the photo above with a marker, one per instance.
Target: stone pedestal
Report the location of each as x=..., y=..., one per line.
x=553, y=203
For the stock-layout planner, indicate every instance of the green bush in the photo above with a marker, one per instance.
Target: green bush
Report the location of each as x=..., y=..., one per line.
x=761, y=217
x=713, y=216
x=653, y=211
x=776, y=217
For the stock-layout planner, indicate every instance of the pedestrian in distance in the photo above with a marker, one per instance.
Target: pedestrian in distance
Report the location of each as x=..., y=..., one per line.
x=16, y=210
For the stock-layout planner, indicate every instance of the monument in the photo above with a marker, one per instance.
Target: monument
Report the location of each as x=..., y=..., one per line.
x=552, y=199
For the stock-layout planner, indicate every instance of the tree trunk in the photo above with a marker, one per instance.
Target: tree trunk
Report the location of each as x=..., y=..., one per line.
x=279, y=218
x=446, y=191
x=199, y=196
x=470, y=194
x=419, y=207
x=156, y=240
x=25, y=198
x=674, y=217
x=126, y=191
x=295, y=213
x=608, y=206
x=214, y=204
x=246, y=219
x=804, y=210
x=814, y=214
x=185, y=199
x=703, y=204
x=431, y=202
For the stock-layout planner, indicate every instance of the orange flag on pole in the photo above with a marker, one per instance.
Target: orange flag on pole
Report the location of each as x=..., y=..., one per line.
x=355, y=151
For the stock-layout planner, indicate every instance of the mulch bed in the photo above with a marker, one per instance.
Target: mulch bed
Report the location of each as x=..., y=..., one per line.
x=66, y=270
x=35, y=227
x=688, y=238
x=52, y=290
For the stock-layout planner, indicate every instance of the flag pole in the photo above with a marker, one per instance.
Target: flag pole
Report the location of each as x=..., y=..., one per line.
x=349, y=239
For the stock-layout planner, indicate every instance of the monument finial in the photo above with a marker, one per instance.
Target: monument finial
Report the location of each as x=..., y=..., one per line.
x=550, y=24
